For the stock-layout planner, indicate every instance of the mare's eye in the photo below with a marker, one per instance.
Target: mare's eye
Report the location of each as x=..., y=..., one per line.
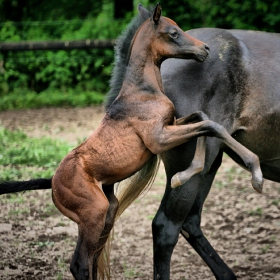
x=173, y=34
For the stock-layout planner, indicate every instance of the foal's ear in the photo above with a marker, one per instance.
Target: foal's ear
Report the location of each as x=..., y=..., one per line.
x=144, y=13
x=157, y=13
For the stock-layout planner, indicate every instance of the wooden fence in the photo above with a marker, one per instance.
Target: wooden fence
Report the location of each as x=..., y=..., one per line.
x=56, y=45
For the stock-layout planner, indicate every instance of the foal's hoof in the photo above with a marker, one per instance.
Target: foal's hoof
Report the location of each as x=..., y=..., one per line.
x=175, y=181
x=257, y=185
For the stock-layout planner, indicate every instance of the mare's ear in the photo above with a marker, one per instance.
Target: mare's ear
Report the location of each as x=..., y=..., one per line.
x=144, y=13
x=157, y=13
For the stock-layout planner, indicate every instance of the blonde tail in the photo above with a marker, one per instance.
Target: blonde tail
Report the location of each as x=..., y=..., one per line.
x=136, y=185
x=127, y=192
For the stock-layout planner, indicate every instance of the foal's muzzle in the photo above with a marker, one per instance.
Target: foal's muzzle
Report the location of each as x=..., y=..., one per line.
x=203, y=57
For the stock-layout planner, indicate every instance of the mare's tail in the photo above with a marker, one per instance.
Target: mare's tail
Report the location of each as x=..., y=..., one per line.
x=127, y=192
x=21, y=186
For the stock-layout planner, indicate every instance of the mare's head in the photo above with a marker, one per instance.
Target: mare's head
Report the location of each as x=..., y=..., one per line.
x=168, y=39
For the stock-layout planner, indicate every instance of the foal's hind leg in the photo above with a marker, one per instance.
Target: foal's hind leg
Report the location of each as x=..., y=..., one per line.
x=111, y=213
x=104, y=268
x=104, y=264
x=92, y=221
x=197, y=164
x=85, y=204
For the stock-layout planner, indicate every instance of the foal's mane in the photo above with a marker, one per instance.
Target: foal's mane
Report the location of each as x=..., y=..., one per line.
x=122, y=54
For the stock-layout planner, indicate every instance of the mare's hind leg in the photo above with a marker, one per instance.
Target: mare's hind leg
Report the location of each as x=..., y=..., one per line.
x=85, y=204
x=180, y=212
x=192, y=232
x=197, y=164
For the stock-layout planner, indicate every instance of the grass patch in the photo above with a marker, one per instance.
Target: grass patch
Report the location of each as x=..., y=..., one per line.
x=50, y=210
x=62, y=268
x=150, y=217
x=55, y=98
x=276, y=202
x=21, y=155
x=14, y=199
x=42, y=244
x=130, y=272
x=9, y=173
x=256, y=212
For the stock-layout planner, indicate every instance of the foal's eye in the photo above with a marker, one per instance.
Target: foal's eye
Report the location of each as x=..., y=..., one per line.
x=173, y=34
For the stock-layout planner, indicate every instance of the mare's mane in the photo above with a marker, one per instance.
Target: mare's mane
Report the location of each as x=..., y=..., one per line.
x=122, y=53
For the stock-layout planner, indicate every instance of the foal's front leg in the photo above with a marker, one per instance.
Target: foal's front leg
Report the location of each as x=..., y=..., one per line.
x=165, y=137
x=197, y=164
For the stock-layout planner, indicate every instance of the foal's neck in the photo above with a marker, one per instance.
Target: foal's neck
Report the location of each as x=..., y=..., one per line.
x=143, y=68
x=144, y=75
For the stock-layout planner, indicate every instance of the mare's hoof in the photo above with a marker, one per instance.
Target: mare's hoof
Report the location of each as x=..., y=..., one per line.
x=175, y=181
x=257, y=185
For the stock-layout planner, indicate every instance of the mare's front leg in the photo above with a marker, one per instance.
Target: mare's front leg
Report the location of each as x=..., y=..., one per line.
x=192, y=232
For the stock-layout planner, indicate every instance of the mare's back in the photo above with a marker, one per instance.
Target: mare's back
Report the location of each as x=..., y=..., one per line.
x=238, y=86
x=243, y=63
x=261, y=61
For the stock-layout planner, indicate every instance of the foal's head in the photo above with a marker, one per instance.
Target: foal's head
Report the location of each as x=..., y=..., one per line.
x=168, y=39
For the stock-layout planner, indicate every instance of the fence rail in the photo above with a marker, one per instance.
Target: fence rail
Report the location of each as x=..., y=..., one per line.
x=56, y=45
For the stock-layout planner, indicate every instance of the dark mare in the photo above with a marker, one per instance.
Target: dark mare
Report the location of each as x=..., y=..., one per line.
x=239, y=88
x=139, y=124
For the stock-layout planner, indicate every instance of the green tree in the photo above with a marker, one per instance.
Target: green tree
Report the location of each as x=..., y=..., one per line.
x=45, y=20
x=33, y=10
x=232, y=14
x=122, y=7
x=102, y=19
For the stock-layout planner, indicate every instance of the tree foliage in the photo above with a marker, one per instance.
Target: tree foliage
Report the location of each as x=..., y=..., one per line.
x=261, y=15
x=90, y=69
x=33, y=10
x=39, y=70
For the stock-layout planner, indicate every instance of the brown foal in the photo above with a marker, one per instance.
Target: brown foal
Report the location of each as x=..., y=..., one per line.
x=138, y=125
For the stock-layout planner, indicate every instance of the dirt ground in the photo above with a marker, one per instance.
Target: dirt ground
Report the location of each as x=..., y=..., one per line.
x=37, y=242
